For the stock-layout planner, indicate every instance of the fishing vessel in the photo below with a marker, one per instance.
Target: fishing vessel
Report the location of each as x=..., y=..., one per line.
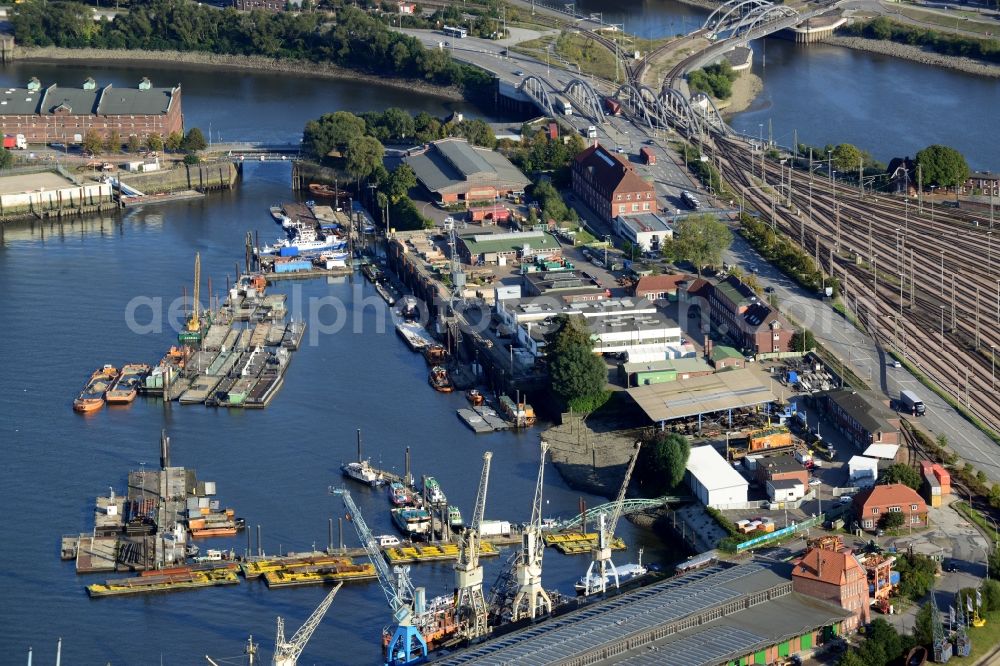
x=475, y=397
x=439, y=379
x=626, y=572
x=398, y=494
x=412, y=521
x=363, y=472
x=126, y=387
x=91, y=398
x=435, y=354
x=455, y=521
x=433, y=490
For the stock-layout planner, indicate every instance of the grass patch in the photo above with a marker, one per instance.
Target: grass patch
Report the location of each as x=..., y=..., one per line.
x=839, y=307
x=984, y=639
x=964, y=23
x=963, y=508
x=591, y=56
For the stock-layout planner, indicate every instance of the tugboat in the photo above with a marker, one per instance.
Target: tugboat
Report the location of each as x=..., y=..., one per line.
x=126, y=387
x=92, y=397
x=439, y=379
x=434, y=493
x=474, y=397
x=410, y=309
x=363, y=472
x=455, y=518
x=435, y=354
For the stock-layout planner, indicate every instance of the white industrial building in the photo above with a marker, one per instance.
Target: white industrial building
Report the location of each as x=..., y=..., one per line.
x=644, y=337
x=647, y=230
x=862, y=470
x=785, y=490
x=883, y=451
x=713, y=480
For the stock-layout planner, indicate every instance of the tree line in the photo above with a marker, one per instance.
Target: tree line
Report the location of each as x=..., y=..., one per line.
x=351, y=38
x=715, y=80
x=953, y=45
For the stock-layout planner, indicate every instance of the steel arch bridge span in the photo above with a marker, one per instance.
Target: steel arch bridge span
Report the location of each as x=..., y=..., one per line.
x=680, y=109
x=644, y=103
x=586, y=97
x=629, y=506
x=536, y=89
x=740, y=16
x=703, y=105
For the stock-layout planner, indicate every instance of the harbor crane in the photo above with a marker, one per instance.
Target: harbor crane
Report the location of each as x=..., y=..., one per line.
x=605, y=534
x=192, y=330
x=407, y=645
x=470, y=603
x=286, y=653
x=531, y=599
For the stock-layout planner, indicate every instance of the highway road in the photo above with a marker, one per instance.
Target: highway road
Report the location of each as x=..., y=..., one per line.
x=853, y=347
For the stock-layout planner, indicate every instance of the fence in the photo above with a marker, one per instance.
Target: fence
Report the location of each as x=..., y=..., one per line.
x=777, y=534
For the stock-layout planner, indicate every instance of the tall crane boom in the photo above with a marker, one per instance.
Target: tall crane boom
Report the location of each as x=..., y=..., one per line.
x=286, y=653
x=194, y=323
x=531, y=599
x=470, y=603
x=407, y=644
x=594, y=583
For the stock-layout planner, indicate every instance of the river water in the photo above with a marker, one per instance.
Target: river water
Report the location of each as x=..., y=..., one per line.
x=67, y=289
x=830, y=94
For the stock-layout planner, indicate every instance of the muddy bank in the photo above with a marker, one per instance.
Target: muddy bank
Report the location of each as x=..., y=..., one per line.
x=170, y=59
x=916, y=54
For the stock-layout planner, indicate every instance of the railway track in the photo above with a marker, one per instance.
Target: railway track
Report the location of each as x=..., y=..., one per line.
x=845, y=231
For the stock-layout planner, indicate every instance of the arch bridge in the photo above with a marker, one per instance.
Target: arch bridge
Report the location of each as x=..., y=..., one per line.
x=629, y=506
x=739, y=18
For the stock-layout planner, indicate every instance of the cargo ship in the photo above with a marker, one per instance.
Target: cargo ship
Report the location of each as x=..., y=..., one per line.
x=92, y=397
x=411, y=521
x=126, y=387
x=439, y=379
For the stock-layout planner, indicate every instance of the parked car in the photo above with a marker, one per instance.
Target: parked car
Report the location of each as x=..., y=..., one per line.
x=814, y=482
x=951, y=566
x=769, y=290
x=846, y=499
x=896, y=364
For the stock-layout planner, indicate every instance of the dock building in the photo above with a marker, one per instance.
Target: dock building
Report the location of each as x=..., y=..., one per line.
x=837, y=577
x=738, y=312
x=58, y=114
x=862, y=418
x=453, y=170
x=714, y=481
x=722, y=614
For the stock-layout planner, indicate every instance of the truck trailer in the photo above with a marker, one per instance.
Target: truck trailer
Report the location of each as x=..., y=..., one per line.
x=911, y=403
x=14, y=141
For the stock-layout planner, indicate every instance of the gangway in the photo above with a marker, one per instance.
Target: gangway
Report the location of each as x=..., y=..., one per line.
x=125, y=189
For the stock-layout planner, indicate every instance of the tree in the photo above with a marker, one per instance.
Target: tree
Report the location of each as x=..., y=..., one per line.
x=155, y=142
x=363, y=155
x=398, y=123
x=916, y=575
x=92, y=142
x=194, y=141
x=803, y=340
x=923, y=626
x=900, y=473
x=885, y=635
x=6, y=158
x=401, y=181
x=174, y=141
x=133, y=143
x=664, y=460
x=851, y=658
x=114, y=142
x=577, y=376
x=847, y=158
x=333, y=131
x=942, y=166
x=192, y=158
x=701, y=239
x=892, y=519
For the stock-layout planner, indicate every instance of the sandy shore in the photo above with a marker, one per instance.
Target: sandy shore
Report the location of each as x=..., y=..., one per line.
x=916, y=54
x=170, y=59
x=745, y=91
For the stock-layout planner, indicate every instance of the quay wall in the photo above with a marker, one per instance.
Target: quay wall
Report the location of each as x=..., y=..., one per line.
x=56, y=202
x=201, y=177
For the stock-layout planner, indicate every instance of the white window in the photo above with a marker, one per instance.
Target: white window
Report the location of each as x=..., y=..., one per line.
x=875, y=510
x=619, y=197
x=915, y=519
x=635, y=208
x=895, y=509
x=913, y=507
x=645, y=206
x=628, y=197
x=621, y=208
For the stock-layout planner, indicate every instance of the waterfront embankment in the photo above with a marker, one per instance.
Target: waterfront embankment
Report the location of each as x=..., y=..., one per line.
x=213, y=61
x=916, y=54
x=744, y=91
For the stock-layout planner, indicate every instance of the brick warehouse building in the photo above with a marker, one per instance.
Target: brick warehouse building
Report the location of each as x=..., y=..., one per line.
x=55, y=113
x=836, y=577
x=610, y=185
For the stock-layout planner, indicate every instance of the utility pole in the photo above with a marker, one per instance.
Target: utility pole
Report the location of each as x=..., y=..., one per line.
x=920, y=189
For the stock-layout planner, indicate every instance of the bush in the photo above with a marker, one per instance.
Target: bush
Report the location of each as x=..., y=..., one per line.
x=954, y=45
x=191, y=158
x=715, y=80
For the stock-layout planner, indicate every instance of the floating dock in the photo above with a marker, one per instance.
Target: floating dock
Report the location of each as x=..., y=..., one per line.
x=483, y=419
x=321, y=575
x=256, y=568
x=432, y=553
x=575, y=543
x=182, y=580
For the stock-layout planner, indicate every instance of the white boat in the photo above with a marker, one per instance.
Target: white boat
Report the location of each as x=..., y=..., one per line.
x=304, y=245
x=278, y=213
x=363, y=472
x=387, y=540
x=626, y=572
x=330, y=260
x=414, y=334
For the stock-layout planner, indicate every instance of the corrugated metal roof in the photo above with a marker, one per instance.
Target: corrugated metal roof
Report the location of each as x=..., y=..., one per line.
x=701, y=395
x=76, y=100
x=453, y=166
x=19, y=101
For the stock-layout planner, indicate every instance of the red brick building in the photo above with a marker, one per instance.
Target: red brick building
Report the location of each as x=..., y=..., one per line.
x=862, y=418
x=837, y=577
x=747, y=319
x=610, y=185
x=660, y=287
x=873, y=504
x=65, y=115
x=782, y=468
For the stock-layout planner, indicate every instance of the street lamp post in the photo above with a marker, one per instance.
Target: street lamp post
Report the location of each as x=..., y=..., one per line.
x=993, y=366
